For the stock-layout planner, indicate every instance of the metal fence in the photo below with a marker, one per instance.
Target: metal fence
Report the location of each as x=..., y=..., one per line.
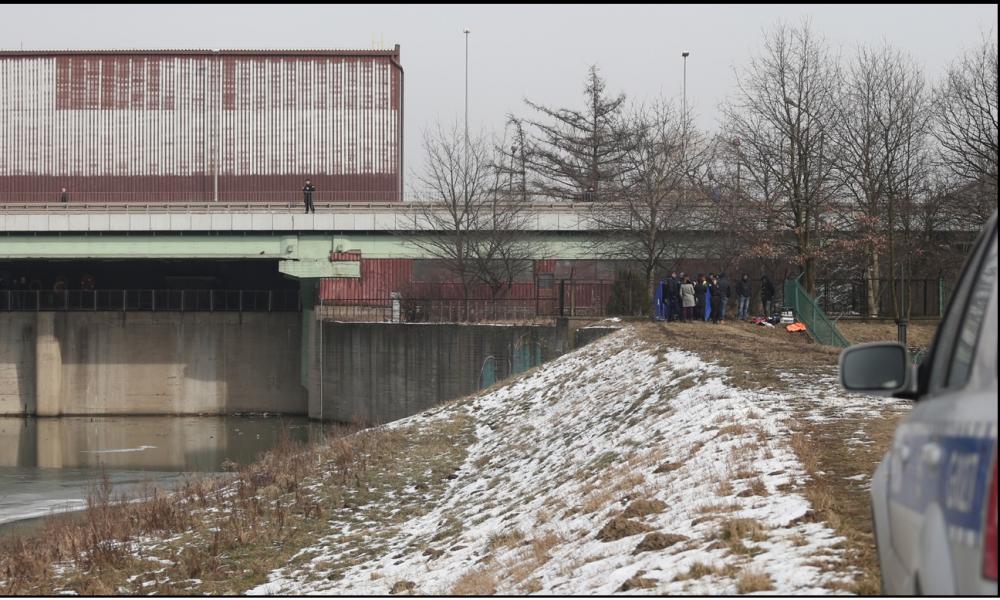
x=434, y=310
x=849, y=297
x=442, y=303
x=819, y=326
x=151, y=300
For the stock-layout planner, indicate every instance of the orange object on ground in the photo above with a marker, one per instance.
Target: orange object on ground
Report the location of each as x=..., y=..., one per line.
x=796, y=327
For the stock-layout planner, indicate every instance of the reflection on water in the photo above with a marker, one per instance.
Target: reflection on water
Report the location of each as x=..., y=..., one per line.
x=49, y=464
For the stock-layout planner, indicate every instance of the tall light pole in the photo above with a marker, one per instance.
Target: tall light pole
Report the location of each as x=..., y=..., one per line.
x=466, y=32
x=684, y=126
x=684, y=105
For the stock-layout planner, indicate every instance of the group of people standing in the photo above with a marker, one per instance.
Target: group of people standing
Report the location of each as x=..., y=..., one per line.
x=707, y=297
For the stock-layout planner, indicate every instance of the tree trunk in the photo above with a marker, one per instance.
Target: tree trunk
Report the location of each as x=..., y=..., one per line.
x=873, y=282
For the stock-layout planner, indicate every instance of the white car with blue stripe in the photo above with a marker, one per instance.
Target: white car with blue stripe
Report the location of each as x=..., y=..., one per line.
x=934, y=495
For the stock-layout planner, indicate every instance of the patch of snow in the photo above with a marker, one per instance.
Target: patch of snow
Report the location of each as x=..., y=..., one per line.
x=117, y=450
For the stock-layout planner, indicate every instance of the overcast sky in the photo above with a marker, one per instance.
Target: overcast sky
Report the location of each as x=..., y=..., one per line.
x=539, y=52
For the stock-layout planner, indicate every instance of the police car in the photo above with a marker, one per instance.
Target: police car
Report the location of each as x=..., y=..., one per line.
x=934, y=495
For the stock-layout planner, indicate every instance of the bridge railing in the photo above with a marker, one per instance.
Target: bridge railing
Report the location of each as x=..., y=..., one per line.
x=137, y=300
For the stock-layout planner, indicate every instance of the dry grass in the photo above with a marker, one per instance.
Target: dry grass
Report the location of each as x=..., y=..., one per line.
x=477, y=582
x=753, y=581
x=757, y=487
x=504, y=539
x=920, y=334
x=718, y=507
x=807, y=453
x=845, y=506
x=733, y=430
x=597, y=500
x=723, y=487
x=740, y=529
x=697, y=571
x=540, y=546
x=227, y=532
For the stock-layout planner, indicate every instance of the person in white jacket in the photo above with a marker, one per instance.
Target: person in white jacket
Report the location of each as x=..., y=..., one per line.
x=687, y=300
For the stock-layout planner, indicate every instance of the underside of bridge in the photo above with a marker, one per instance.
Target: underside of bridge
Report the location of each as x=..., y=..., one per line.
x=144, y=273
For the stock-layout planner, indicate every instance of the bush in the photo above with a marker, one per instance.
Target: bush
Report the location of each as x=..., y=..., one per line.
x=629, y=296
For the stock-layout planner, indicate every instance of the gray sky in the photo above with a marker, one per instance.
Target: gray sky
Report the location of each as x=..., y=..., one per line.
x=539, y=52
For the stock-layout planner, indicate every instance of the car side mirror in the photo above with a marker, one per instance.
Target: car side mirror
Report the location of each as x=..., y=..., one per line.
x=878, y=369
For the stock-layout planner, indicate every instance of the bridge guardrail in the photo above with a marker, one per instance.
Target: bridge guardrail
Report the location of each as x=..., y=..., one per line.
x=137, y=300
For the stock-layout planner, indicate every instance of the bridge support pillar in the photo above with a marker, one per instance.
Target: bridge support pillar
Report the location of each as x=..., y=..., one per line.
x=48, y=366
x=311, y=370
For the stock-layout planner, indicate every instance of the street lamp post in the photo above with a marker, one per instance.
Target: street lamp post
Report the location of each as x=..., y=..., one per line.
x=466, y=32
x=684, y=140
x=684, y=94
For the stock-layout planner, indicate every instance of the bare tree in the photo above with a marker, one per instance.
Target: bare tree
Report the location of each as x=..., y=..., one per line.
x=658, y=197
x=575, y=151
x=513, y=159
x=468, y=220
x=966, y=126
x=880, y=147
x=787, y=101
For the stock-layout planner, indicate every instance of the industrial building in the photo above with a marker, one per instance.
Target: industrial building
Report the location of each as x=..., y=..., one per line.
x=144, y=126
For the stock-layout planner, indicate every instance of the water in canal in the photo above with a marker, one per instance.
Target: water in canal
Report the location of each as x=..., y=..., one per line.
x=50, y=464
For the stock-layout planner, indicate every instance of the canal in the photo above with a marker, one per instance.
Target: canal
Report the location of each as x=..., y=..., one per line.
x=50, y=465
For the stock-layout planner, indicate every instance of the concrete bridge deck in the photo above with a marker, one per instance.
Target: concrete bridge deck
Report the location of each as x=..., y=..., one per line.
x=255, y=217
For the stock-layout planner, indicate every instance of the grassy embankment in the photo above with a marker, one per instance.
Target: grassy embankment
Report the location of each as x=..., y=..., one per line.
x=764, y=358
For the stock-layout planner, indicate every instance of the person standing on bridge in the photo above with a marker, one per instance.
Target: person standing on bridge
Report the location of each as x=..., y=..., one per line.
x=64, y=196
x=307, y=196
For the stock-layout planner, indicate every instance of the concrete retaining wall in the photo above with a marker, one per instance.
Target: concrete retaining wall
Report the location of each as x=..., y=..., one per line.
x=17, y=363
x=376, y=373
x=150, y=363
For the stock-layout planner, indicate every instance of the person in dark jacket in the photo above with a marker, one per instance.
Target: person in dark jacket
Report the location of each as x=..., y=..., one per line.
x=700, y=288
x=743, y=291
x=64, y=196
x=767, y=295
x=715, y=293
x=673, y=297
x=307, y=196
x=725, y=293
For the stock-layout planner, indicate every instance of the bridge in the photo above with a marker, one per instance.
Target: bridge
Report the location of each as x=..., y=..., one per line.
x=302, y=243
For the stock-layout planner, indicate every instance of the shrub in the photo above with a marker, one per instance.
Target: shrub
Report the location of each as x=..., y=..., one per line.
x=629, y=296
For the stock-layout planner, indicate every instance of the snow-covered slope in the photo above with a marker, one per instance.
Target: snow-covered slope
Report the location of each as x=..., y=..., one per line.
x=618, y=467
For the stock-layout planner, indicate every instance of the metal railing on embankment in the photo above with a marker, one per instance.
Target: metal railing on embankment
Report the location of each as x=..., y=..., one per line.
x=435, y=310
x=151, y=300
x=819, y=326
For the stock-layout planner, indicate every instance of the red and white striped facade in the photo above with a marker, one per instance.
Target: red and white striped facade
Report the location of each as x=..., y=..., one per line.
x=200, y=125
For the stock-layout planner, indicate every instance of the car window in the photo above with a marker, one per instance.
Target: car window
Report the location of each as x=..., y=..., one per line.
x=975, y=313
x=948, y=331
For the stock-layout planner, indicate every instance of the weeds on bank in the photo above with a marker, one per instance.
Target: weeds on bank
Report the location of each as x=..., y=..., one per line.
x=226, y=531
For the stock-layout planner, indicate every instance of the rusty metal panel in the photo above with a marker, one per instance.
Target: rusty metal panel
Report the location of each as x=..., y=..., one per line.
x=379, y=278
x=175, y=126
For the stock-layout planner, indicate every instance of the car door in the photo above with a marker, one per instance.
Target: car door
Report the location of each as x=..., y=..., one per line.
x=937, y=472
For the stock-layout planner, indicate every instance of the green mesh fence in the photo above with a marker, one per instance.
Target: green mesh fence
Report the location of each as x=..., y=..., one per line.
x=819, y=326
